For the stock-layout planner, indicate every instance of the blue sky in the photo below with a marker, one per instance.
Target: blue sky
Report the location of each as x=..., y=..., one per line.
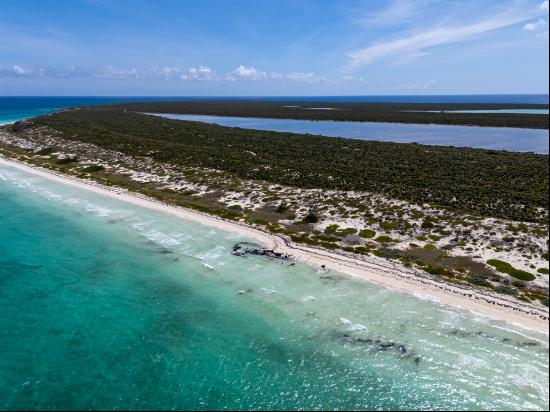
x=268, y=47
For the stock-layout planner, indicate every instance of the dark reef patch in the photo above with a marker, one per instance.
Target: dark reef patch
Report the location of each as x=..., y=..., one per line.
x=379, y=345
x=247, y=248
x=481, y=334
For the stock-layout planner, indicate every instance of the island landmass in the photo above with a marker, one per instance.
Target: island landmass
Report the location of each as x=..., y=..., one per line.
x=473, y=222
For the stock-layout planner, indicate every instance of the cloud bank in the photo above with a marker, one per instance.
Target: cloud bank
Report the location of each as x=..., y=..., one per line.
x=195, y=74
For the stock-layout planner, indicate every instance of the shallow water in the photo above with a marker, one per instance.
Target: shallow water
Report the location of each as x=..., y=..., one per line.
x=498, y=138
x=107, y=305
x=511, y=111
x=494, y=111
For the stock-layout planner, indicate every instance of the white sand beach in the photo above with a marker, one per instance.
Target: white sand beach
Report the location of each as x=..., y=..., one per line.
x=372, y=269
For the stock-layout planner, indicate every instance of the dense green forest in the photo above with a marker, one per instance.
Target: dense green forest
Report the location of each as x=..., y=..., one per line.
x=485, y=182
x=372, y=112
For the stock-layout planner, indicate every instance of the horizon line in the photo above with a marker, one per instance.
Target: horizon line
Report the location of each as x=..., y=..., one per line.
x=285, y=95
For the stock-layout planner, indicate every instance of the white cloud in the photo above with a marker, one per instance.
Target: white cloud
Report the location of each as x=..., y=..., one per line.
x=535, y=25
x=111, y=72
x=108, y=72
x=21, y=70
x=348, y=78
x=304, y=77
x=17, y=70
x=415, y=86
x=416, y=45
x=248, y=73
x=407, y=58
x=168, y=72
x=544, y=6
x=201, y=73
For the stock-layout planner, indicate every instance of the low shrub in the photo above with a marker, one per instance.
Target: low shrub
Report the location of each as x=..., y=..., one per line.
x=505, y=290
x=331, y=229
x=436, y=270
x=345, y=232
x=66, y=160
x=45, y=151
x=388, y=253
x=363, y=250
x=478, y=281
x=93, y=168
x=283, y=207
x=311, y=217
x=388, y=225
x=385, y=239
x=367, y=233
x=507, y=268
x=326, y=238
x=428, y=223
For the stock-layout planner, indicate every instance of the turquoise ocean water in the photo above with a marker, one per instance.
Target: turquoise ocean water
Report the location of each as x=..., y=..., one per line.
x=13, y=109
x=503, y=111
x=105, y=305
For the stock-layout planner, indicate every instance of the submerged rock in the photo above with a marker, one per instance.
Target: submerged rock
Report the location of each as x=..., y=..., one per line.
x=247, y=248
x=379, y=345
x=481, y=334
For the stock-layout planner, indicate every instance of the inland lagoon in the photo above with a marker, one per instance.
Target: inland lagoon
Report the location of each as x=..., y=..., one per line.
x=496, y=138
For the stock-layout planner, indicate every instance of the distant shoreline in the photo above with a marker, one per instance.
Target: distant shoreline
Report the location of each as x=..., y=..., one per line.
x=468, y=101
x=352, y=111
x=372, y=269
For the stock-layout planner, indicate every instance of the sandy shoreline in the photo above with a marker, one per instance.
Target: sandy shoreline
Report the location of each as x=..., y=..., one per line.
x=375, y=270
